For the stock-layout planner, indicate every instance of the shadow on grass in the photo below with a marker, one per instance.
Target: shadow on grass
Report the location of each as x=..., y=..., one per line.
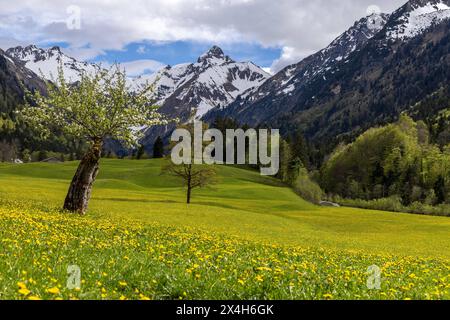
x=136, y=200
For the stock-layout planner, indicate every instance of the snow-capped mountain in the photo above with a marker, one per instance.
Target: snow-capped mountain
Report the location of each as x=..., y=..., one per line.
x=45, y=62
x=416, y=17
x=189, y=91
x=12, y=73
x=297, y=76
x=215, y=80
x=366, y=77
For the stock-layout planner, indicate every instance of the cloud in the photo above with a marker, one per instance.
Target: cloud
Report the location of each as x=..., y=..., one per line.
x=268, y=70
x=300, y=27
x=289, y=55
x=140, y=67
x=141, y=50
x=137, y=67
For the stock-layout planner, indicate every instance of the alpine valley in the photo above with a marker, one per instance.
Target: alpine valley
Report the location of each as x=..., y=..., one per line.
x=380, y=67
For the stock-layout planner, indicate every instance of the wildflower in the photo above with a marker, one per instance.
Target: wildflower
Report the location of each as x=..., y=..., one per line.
x=54, y=290
x=24, y=291
x=328, y=296
x=22, y=285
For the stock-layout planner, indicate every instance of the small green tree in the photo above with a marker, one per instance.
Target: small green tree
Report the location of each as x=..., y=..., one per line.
x=26, y=155
x=42, y=155
x=98, y=107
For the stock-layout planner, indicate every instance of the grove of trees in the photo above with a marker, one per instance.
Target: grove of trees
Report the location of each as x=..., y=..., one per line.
x=396, y=160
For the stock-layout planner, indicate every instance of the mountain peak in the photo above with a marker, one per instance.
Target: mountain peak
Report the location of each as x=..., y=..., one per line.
x=216, y=51
x=214, y=56
x=437, y=4
x=416, y=16
x=45, y=62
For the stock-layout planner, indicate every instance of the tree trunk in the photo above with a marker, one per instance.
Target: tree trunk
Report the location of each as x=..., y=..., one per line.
x=189, y=195
x=79, y=193
x=189, y=188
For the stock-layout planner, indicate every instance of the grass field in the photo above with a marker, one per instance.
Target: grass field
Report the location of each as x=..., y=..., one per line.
x=249, y=237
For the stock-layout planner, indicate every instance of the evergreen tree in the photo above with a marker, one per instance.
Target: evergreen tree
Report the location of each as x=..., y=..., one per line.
x=440, y=190
x=140, y=152
x=158, y=148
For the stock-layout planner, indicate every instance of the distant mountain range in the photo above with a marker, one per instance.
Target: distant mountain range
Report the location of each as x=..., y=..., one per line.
x=183, y=91
x=379, y=67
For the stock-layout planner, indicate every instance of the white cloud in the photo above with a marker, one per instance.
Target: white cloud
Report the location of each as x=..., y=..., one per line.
x=141, y=50
x=268, y=70
x=299, y=26
x=138, y=67
x=289, y=55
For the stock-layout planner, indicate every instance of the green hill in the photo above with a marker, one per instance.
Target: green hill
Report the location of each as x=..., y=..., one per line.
x=249, y=238
x=244, y=204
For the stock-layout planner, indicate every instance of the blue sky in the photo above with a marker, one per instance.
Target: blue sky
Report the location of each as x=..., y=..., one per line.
x=182, y=51
x=148, y=33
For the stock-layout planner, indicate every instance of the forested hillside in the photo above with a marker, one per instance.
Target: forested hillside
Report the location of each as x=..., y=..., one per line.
x=397, y=161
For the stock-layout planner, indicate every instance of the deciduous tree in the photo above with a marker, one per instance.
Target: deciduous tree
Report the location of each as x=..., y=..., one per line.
x=98, y=107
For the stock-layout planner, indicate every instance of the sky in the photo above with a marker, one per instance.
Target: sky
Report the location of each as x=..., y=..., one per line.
x=144, y=35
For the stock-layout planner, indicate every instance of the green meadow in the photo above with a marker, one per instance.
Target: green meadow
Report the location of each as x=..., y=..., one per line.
x=270, y=236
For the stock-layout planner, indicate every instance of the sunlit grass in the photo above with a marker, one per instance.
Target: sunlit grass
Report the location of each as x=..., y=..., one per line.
x=128, y=260
x=248, y=238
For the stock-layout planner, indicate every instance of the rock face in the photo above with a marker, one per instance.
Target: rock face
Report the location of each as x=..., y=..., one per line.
x=14, y=78
x=329, y=204
x=366, y=77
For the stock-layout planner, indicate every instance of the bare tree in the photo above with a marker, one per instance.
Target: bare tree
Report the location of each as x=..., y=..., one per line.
x=192, y=175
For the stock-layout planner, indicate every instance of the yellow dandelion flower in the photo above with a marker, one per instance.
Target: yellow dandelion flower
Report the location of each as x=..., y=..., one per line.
x=142, y=297
x=22, y=285
x=54, y=290
x=24, y=291
x=328, y=296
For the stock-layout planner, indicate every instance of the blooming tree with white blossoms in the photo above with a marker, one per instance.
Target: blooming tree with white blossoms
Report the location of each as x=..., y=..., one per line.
x=99, y=107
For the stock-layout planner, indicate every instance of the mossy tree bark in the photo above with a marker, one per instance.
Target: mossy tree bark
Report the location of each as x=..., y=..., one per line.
x=79, y=193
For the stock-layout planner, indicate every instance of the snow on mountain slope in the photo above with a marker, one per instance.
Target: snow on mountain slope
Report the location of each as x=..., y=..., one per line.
x=182, y=91
x=165, y=81
x=215, y=80
x=418, y=16
x=45, y=62
x=296, y=76
x=360, y=80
